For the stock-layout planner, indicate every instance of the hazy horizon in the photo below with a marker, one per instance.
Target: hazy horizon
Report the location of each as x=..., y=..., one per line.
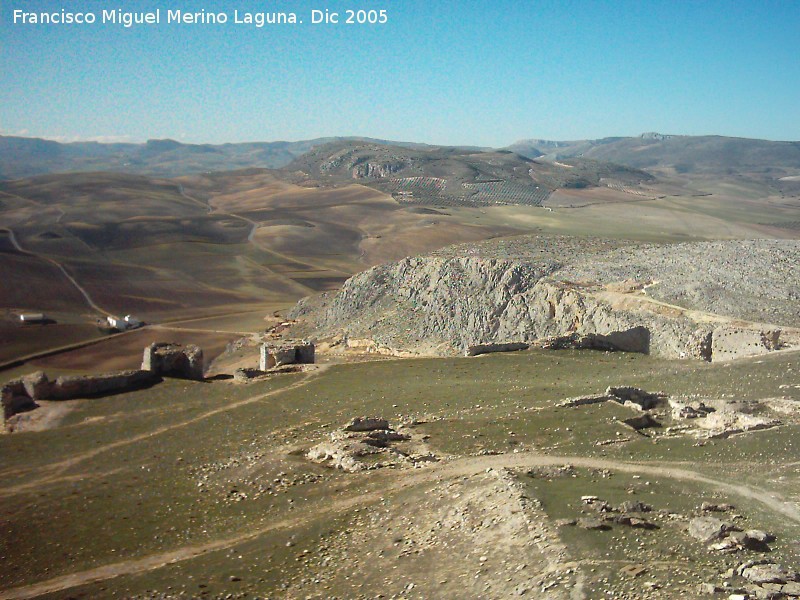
x=444, y=74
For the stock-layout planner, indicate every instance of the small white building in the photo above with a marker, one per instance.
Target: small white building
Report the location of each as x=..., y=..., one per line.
x=123, y=324
x=33, y=317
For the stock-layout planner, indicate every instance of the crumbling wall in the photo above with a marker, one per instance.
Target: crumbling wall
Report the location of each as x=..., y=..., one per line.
x=479, y=349
x=85, y=386
x=174, y=360
x=729, y=343
x=290, y=353
x=20, y=395
x=635, y=339
x=15, y=399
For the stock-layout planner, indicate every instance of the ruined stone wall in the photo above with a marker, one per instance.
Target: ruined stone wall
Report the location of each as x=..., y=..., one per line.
x=174, y=360
x=729, y=343
x=21, y=394
x=272, y=356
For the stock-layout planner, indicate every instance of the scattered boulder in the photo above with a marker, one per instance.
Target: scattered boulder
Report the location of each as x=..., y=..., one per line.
x=593, y=524
x=710, y=507
x=641, y=398
x=791, y=589
x=708, y=529
x=751, y=540
x=245, y=375
x=174, y=360
x=634, y=506
x=766, y=572
x=367, y=424
x=634, y=522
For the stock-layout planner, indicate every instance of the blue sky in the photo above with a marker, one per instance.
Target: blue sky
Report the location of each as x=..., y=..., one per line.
x=442, y=72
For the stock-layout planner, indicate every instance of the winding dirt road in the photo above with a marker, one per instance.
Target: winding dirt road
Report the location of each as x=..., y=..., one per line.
x=91, y=303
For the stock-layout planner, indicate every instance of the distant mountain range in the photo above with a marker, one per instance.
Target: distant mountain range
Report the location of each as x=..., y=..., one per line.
x=708, y=154
x=656, y=153
x=25, y=157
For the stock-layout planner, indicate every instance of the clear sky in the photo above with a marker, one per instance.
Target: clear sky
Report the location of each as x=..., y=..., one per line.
x=443, y=72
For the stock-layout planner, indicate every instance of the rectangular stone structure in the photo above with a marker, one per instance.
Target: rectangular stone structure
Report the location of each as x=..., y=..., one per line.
x=289, y=353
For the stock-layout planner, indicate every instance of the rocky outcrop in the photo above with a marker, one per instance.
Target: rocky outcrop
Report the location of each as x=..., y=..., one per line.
x=368, y=443
x=557, y=289
x=377, y=170
x=174, y=360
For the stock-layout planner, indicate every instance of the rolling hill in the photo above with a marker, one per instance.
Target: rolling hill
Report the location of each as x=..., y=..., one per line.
x=454, y=176
x=26, y=157
x=680, y=154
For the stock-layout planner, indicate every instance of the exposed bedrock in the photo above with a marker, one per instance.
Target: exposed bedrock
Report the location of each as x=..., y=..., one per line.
x=447, y=304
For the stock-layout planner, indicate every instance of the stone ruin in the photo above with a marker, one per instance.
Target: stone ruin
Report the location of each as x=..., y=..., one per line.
x=367, y=443
x=730, y=343
x=20, y=395
x=480, y=349
x=289, y=353
x=635, y=339
x=174, y=360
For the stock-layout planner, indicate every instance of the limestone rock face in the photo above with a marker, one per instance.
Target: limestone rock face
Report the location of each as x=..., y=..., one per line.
x=526, y=290
x=449, y=305
x=174, y=360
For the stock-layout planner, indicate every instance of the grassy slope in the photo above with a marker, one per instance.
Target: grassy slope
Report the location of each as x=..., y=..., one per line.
x=120, y=479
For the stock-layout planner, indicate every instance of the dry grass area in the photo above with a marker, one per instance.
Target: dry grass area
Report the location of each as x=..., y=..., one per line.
x=192, y=489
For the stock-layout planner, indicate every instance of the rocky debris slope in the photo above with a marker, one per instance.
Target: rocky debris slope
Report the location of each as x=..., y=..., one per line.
x=369, y=443
x=532, y=288
x=703, y=418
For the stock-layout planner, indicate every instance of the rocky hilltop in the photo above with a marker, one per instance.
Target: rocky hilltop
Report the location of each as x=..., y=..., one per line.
x=720, y=300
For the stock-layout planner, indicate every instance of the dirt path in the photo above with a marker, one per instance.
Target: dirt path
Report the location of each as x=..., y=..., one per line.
x=199, y=330
x=396, y=481
x=59, y=266
x=52, y=472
